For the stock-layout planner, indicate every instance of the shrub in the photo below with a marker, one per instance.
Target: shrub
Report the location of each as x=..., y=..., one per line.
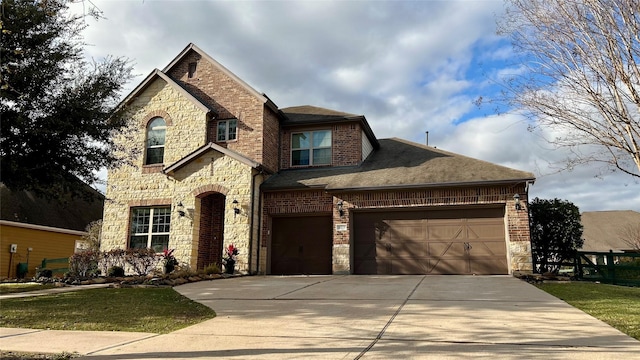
x=115, y=271
x=46, y=273
x=142, y=261
x=212, y=269
x=84, y=264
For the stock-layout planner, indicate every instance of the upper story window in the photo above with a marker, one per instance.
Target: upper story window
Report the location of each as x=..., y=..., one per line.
x=156, y=130
x=227, y=130
x=192, y=70
x=150, y=228
x=311, y=148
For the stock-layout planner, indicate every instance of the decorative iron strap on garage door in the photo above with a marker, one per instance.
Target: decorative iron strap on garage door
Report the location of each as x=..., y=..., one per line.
x=301, y=245
x=460, y=241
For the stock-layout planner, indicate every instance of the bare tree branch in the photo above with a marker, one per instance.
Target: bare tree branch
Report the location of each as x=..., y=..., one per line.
x=582, y=78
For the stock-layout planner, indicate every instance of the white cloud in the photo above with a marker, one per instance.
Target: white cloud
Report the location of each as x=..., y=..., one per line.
x=403, y=64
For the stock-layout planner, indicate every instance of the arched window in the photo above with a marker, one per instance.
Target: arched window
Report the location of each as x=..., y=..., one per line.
x=155, y=141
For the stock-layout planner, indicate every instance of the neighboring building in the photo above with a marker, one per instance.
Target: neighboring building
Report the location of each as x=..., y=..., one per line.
x=609, y=230
x=301, y=190
x=50, y=228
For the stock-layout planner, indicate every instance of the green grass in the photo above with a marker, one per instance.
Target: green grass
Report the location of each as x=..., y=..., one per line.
x=10, y=288
x=154, y=310
x=618, y=306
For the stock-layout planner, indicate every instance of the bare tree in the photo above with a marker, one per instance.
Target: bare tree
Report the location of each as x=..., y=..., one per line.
x=630, y=234
x=578, y=76
x=93, y=236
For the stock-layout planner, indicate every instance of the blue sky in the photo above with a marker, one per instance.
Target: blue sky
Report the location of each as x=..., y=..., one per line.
x=409, y=67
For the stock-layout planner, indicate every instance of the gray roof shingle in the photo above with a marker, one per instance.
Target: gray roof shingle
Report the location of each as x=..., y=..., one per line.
x=399, y=164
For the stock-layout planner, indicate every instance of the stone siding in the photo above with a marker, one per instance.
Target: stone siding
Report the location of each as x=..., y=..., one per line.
x=129, y=186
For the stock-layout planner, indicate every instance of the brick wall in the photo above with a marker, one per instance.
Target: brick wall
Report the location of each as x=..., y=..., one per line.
x=318, y=201
x=229, y=99
x=346, y=146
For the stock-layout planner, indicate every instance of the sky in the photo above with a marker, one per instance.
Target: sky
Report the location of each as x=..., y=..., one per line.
x=408, y=66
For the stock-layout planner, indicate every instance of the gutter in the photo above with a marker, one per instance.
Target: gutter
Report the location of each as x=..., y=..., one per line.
x=431, y=185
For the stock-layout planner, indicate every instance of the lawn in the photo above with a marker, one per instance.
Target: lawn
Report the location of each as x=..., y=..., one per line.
x=10, y=288
x=155, y=310
x=618, y=306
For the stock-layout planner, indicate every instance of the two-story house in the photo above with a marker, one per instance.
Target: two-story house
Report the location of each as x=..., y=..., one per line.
x=301, y=190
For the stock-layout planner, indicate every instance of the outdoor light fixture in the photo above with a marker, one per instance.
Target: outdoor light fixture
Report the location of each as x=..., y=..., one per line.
x=236, y=210
x=180, y=209
x=340, y=208
x=516, y=198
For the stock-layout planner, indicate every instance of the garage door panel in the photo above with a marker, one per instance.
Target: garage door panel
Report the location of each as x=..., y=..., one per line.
x=438, y=231
x=446, y=249
x=488, y=266
x=448, y=266
x=488, y=248
x=407, y=266
x=431, y=241
x=301, y=245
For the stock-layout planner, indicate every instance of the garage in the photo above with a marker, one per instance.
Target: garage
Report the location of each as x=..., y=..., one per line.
x=430, y=241
x=301, y=245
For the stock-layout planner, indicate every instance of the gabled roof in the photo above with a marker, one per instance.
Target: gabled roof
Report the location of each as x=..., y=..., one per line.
x=604, y=230
x=157, y=74
x=67, y=213
x=400, y=164
x=313, y=115
x=193, y=47
x=202, y=150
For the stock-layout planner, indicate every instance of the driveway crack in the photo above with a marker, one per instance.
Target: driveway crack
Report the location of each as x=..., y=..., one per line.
x=307, y=286
x=384, y=329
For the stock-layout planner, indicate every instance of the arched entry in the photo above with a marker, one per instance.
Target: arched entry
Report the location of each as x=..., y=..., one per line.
x=211, y=229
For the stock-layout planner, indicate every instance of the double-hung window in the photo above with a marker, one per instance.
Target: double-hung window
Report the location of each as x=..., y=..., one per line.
x=150, y=228
x=227, y=130
x=156, y=131
x=311, y=148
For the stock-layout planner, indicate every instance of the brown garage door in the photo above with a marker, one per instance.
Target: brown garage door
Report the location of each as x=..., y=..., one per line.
x=301, y=245
x=463, y=241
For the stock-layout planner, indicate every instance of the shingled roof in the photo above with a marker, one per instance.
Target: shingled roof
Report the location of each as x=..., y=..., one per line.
x=67, y=213
x=313, y=115
x=399, y=164
x=603, y=230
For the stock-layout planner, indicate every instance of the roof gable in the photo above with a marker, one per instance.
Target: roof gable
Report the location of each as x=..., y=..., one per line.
x=313, y=115
x=157, y=74
x=204, y=149
x=212, y=61
x=401, y=164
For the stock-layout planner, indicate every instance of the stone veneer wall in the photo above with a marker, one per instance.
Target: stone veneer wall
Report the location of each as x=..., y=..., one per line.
x=318, y=201
x=130, y=186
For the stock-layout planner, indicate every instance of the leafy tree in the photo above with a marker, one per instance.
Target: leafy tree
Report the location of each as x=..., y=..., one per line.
x=556, y=233
x=578, y=76
x=58, y=110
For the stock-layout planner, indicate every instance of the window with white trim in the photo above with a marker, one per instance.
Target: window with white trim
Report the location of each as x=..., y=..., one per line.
x=227, y=130
x=156, y=131
x=150, y=228
x=311, y=148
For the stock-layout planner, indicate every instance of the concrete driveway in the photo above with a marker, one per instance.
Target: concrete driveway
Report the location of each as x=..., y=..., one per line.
x=382, y=317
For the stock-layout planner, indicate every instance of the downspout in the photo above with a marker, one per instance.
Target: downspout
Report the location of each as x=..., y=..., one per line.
x=253, y=189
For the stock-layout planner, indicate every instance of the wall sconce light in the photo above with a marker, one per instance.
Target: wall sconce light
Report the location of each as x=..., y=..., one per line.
x=236, y=210
x=516, y=198
x=340, y=206
x=180, y=209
